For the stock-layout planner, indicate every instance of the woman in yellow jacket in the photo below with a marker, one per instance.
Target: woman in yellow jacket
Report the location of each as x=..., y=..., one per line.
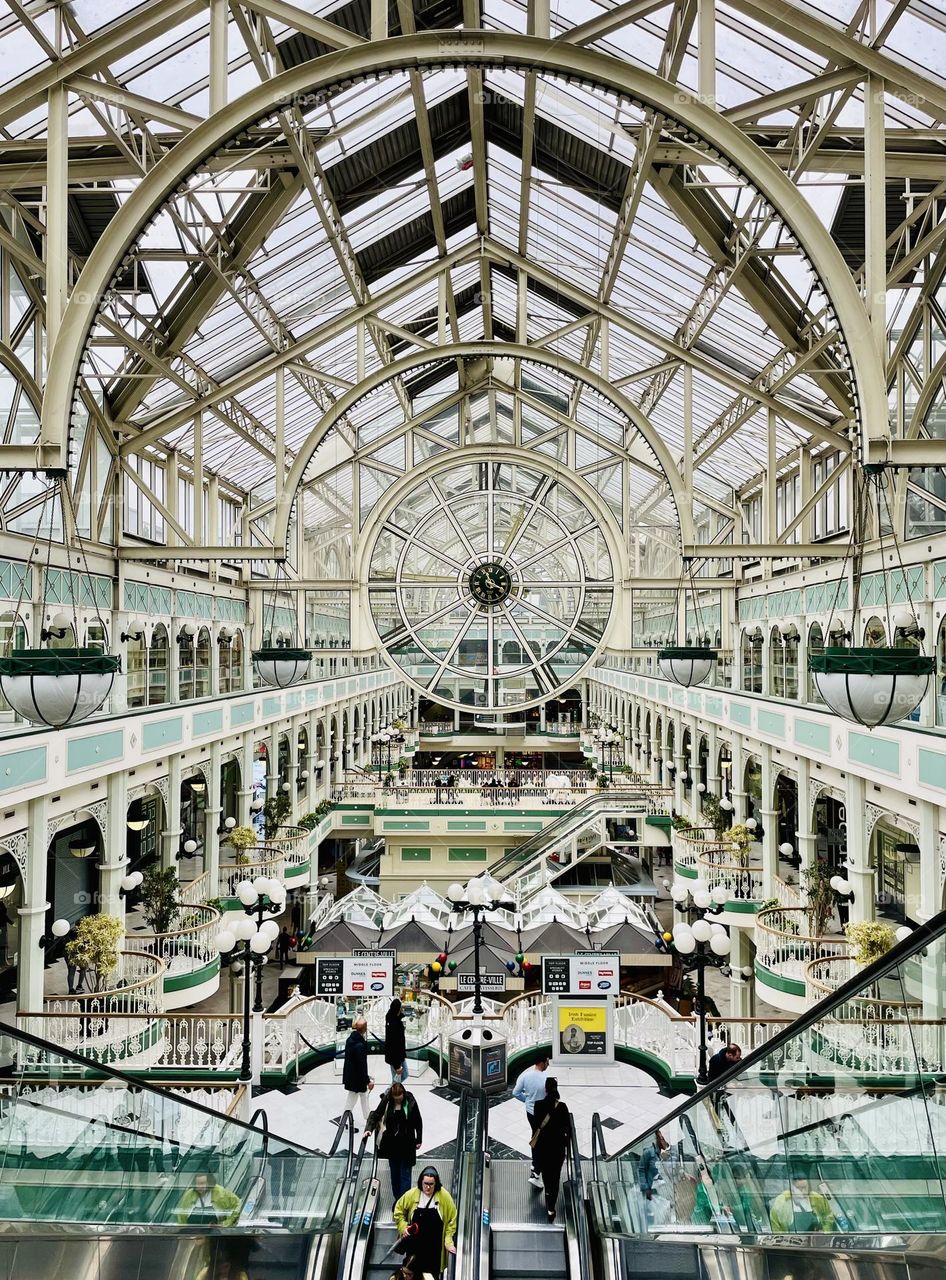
x=426, y=1217
x=800, y=1209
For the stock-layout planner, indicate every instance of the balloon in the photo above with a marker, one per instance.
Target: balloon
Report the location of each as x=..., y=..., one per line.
x=436, y=967
x=519, y=957
x=451, y=965
x=442, y=957
x=526, y=964
x=511, y=966
x=668, y=937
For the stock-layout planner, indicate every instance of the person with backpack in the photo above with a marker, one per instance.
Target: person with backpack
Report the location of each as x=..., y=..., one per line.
x=550, y=1141
x=397, y=1121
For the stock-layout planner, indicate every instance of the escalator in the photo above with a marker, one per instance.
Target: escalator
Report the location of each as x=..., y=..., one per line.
x=368, y=1251
x=513, y=1238
x=103, y=1175
x=821, y=1154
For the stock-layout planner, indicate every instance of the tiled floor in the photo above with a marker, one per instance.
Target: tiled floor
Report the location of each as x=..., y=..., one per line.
x=619, y=1093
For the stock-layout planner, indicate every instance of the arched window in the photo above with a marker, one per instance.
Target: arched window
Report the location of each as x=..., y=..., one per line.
x=790, y=645
x=185, y=667
x=776, y=663
x=12, y=636
x=136, y=664
x=158, y=651
x=96, y=637
x=941, y=674
x=815, y=646
x=236, y=662
x=875, y=634
x=202, y=686
x=752, y=661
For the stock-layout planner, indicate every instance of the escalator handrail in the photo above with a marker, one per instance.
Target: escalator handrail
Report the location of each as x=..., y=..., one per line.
x=576, y=1183
x=920, y=938
x=482, y=1202
x=465, y=1193
x=356, y=1228
x=598, y=1147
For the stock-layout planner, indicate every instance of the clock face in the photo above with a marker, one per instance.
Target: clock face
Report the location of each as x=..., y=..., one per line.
x=490, y=583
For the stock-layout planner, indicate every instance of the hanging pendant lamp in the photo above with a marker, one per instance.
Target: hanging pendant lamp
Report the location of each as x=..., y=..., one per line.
x=880, y=685
x=280, y=666
x=687, y=665
x=58, y=687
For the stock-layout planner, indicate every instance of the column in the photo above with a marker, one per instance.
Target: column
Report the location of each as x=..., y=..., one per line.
x=712, y=762
x=693, y=768
x=171, y=836
x=859, y=873
x=212, y=811
x=325, y=778
x=679, y=760
x=31, y=956
x=805, y=837
x=174, y=661
x=115, y=852
x=272, y=764
x=737, y=793
x=245, y=794
x=741, y=988
x=769, y=818
x=311, y=762
x=292, y=776
x=930, y=817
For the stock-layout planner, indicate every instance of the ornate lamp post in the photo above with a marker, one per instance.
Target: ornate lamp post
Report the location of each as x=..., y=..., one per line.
x=382, y=740
x=608, y=739
x=249, y=941
x=480, y=895
x=704, y=942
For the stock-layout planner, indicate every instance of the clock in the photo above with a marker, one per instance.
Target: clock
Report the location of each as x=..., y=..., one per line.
x=490, y=583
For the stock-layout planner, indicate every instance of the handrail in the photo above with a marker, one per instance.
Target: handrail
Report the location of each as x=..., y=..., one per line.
x=482, y=1203
x=351, y=1257
x=579, y=1249
x=920, y=938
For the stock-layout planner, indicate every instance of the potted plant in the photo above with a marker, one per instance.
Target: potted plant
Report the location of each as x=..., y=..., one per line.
x=308, y=821
x=275, y=812
x=159, y=903
x=679, y=823
x=686, y=997
x=820, y=897
x=871, y=939
x=94, y=949
x=241, y=840
x=739, y=835
x=714, y=814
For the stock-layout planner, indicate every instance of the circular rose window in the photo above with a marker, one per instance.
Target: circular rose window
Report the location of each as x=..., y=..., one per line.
x=491, y=584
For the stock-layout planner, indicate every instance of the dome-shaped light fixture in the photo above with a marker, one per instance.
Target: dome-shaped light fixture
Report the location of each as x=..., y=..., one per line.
x=750, y=824
x=225, y=941
x=455, y=892
x=720, y=895
x=786, y=849
x=702, y=930
x=872, y=686
x=702, y=899
x=246, y=893
x=725, y=804
x=190, y=846
x=281, y=667
x=131, y=882
x=678, y=892
x=57, y=687
x=720, y=944
x=229, y=823
x=685, y=943
x=685, y=665
x=83, y=846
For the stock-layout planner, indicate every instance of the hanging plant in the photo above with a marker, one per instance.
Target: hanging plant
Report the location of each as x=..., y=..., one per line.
x=872, y=686
x=94, y=949
x=871, y=938
x=58, y=687
x=280, y=665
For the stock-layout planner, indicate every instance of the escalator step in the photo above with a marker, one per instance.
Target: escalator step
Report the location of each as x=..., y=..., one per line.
x=665, y=1261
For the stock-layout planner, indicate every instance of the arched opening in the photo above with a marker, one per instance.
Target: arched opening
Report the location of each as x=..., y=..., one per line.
x=72, y=880
x=752, y=642
x=158, y=655
x=186, y=667
x=829, y=823
x=895, y=858
x=193, y=803
x=237, y=661
x=724, y=769
x=11, y=899
x=202, y=664
x=815, y=646
x=752, y=785
x=144, y=822
x=790, y=639
x=302, y=753
x=230, y=781
x=786, y=810
x=875, y=633
x=776, y=663
x=12, y=636
x=941, y=674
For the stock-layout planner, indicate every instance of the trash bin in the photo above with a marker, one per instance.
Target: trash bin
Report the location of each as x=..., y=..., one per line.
x=477, y=1059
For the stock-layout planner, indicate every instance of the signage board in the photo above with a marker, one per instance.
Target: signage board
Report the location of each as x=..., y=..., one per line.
x=369, y=974
x=490, y=983
x=584, y=1030
x=461, y=1065
x=589, y=973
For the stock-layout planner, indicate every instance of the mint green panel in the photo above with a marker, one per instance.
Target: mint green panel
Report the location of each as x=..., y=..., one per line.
x=242, y=714
x=207, y=722
x=808, y=733
x=739, y=714
x=466, y=826
x=164, y=733
x=355, y=819
x=415, y=854
x=272, y=706
x=714, y=706
x=392, y=825
x=864, y=748
x=771, y=722
x=23, y=767
x=932, y=768
x=97, y=748
x=466, y=855
x=522, y=826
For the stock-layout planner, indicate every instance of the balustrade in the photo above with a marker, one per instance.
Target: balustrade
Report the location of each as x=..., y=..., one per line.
x=265, y=860
x=186, y=948
x=785, y=947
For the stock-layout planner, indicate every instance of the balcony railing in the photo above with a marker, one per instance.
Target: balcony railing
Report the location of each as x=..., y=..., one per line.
x=141, y=990
x=184, y=950
x=785, y=947
x=197, y=890
x=742, y=880
x=265, y=860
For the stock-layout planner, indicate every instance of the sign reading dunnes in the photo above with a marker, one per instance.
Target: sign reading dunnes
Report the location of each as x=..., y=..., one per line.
x=367, y=974
x=591, y=973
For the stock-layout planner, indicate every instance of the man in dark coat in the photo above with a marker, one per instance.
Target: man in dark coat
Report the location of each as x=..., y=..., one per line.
x=355, y=1077
x=722, y=1061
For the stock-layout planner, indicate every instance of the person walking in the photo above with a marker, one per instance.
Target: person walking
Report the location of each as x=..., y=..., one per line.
x=355, y=1077
x=530, y=1087
x=649, y=1165
x=206, y=1203
x=799, y=1209
x=397, y=1120
x=283, y=942
x=550, y=1141
x=395, y=1041
x=426, y=1217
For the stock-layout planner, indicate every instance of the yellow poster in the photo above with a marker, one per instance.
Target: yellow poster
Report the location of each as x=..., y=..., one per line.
x=583, y=1028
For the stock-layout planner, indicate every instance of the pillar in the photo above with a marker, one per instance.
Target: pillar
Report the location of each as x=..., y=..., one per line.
x=245, y=794
x=859, y=872
x=171, y=835
x=741, y=988
x=213, y=807
x=114, y=861
x=769, y=825
x=805, y=837
x=272, y=764
x=31, y=956
x=693, y=768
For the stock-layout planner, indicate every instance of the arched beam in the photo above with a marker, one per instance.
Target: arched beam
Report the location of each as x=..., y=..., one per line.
x=478, y=350
x=480, y=49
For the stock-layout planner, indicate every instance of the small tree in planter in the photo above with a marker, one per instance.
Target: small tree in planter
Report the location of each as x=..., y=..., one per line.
x=275, y=812
x=240, y=840
x=872, y=940
x=159, y=904
x=820, y=896
x=714, y=814
x=740, y=835
x=94, y=949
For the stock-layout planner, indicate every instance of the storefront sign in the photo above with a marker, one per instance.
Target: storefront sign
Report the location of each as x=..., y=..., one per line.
x=589, y=973
x=368, y=974
x=490, y=983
